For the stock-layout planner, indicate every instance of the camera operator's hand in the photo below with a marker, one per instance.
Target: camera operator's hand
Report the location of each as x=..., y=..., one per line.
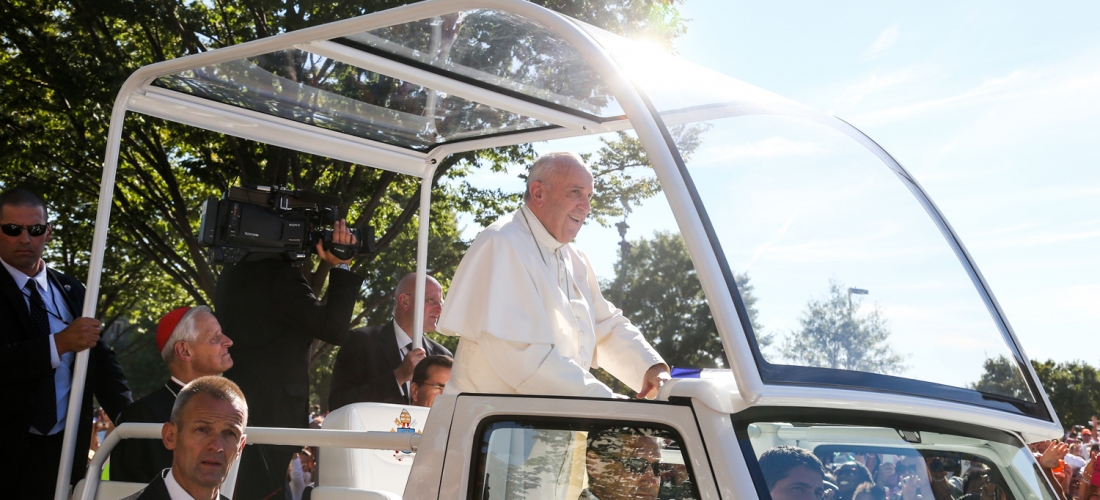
x=81, y=334
x=340, y=236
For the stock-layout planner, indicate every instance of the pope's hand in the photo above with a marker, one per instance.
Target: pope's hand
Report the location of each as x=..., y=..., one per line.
x=654, y=378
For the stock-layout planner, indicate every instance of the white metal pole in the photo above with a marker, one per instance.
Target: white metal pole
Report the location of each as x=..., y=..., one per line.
x=91, y=294
x=422, y=254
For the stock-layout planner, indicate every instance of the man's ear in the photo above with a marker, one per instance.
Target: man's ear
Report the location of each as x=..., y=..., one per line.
x=49, y=233
x=538, y=190
x=182, y=351
x=413, y=387
x=168, y=433
x=240, y=449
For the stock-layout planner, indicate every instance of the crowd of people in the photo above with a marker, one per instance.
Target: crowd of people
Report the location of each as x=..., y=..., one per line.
x=527, y=309
x=793, y=473
x=1070, y=462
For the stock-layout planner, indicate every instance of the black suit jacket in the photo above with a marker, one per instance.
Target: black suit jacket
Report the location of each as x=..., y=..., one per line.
x=142, y=460
x=268, y=309
x=25, y=360
x=365, y=364
x=156, y=490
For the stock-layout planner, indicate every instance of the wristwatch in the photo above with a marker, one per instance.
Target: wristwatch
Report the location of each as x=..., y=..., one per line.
x=344, y=266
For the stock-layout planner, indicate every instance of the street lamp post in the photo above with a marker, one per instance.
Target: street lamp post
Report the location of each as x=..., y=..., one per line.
x=624, y=252
x=857, y=291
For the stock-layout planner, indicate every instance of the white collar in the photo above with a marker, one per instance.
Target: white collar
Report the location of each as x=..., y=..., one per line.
x=403, y=339
x=176, y=492
x=41, y=279
x=542, y=236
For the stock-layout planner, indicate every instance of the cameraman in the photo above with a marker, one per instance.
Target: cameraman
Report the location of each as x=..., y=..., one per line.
x=268, y=308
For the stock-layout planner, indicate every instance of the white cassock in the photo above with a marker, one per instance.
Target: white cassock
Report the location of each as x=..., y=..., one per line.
x=531, y=318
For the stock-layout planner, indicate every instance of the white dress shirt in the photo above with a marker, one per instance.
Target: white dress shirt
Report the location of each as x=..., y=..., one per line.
x=532, y=320
x=60, y=317
x=175, y=491
x=403, y=340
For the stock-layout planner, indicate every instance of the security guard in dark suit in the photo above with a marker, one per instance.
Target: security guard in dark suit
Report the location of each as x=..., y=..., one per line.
x=40, y=335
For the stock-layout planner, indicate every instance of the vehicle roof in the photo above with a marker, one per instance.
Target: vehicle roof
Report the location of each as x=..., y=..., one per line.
x=447, y=91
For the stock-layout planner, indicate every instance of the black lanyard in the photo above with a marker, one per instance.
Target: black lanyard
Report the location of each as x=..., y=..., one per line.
x=53, y=299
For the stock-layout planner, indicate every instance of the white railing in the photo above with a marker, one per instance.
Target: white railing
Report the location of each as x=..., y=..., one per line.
x=373, y=440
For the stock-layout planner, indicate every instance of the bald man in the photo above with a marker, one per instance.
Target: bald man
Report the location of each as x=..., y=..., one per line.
x=377, y=362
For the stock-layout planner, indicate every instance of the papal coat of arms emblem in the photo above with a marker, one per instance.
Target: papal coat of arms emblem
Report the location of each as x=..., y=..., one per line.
x=406, y=424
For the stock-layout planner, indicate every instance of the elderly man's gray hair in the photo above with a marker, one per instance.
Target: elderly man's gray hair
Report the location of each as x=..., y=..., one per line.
x=543, y=167
x=186, y=331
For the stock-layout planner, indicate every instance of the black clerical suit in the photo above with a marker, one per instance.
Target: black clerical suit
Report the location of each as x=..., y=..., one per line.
x=268, y=308
x=142, y=460
x=364, y=367
x=24, y=363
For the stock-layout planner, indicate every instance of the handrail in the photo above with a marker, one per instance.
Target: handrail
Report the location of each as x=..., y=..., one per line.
x=372, y=440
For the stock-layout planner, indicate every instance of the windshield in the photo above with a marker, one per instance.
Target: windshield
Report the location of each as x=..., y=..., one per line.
x=869, y=463
x=851, y=274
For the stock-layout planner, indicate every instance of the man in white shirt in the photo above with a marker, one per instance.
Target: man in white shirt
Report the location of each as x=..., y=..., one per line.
x=41, y=335
x=527, y=307
x=192, y=344
x=376, y=363
x=205, y=434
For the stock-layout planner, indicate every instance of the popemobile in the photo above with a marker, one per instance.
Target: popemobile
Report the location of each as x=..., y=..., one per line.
x=755, y=186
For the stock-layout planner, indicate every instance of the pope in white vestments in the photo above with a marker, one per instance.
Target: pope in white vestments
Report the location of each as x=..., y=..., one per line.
x=527, y=306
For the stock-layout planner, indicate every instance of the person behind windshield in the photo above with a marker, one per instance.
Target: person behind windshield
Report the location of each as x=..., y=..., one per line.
x=938, y=479
x=849, y=477
x=868, y=491
x=792, y=473
x=622, y=463
x=982, y=484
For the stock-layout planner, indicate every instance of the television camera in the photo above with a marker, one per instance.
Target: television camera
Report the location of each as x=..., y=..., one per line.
x=276, y=221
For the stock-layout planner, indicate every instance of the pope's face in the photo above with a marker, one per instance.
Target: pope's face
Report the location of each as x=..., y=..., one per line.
x=562, y=201
x=23, y=252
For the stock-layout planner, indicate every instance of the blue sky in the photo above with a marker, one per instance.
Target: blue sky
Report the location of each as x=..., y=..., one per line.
x=994, y=108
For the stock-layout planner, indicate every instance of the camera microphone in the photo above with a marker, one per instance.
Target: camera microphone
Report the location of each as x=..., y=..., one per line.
x=304, y=196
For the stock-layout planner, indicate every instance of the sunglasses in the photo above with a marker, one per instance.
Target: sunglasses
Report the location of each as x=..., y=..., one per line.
x=639, y=466
x=16, y=229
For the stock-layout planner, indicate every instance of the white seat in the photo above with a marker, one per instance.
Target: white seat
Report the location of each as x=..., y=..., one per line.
x=109, y=490
x=363, y=470
x=340, y=493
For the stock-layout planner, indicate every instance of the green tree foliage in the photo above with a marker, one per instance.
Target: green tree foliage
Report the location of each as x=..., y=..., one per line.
x=835, y=335
x=661, y=294
x=1073, y=388
x=64, y=62
x=1001, y=376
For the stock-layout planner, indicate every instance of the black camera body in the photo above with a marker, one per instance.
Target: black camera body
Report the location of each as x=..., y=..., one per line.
x=275, y=221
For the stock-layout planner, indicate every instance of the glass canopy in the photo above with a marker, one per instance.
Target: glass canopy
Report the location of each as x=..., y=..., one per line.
x=858, y=282
x=501, y=50
x=315, y=90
